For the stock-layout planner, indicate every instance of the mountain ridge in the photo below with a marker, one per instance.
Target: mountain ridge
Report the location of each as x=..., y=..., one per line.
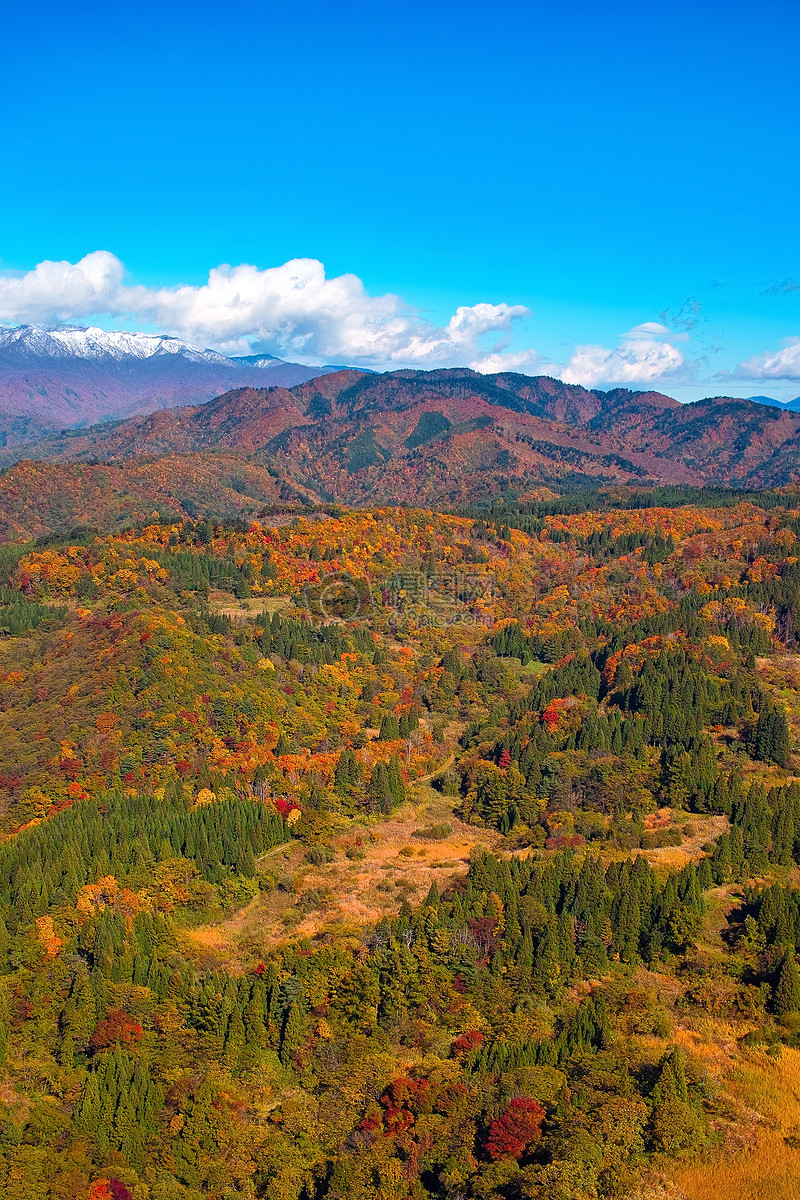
x=787, y=405
x=93, y=343
x=65, y=376
x=452, y=436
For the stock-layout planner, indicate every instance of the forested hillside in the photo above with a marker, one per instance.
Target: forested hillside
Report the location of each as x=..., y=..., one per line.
x=453, y=437
x=386, y=853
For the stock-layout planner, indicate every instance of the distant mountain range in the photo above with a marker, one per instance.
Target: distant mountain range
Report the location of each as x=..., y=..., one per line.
x=439, y=438
x=791, y=406
x=120, y=425
x=59, y=377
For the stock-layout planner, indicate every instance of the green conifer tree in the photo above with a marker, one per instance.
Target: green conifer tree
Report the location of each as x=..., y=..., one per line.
x=787, y=990
x=772, y=741
x=292, y=1034
x=390, y=728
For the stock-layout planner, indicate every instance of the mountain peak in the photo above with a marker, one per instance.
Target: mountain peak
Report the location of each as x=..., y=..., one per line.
x=457, y=437
x=67, y=375
x=95, y=345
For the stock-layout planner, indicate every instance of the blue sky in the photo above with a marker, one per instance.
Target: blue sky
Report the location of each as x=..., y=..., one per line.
x=608, y=192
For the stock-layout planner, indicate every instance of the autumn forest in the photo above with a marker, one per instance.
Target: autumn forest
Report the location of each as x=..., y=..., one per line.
x=393, y=854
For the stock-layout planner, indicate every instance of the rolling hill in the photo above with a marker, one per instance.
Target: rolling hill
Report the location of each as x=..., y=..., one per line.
x=450, y=437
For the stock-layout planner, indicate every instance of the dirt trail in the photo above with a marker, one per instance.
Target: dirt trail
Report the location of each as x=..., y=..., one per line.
x=445, y=766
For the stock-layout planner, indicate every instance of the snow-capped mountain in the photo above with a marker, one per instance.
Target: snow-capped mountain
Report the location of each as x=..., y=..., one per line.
x=96, y=345
x=67, y=375
x=261, y=361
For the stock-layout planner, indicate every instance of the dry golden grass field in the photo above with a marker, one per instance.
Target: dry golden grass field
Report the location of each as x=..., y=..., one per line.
x=760, y=1159
x=376, y=865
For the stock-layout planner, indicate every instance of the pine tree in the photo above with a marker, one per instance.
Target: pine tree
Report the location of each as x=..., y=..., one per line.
x=255, y=1018
x=390, y=728
x=245, y=862
x=346, y=772
x=87, y=1112
x=546, y=968
x=671, y=1083
x=66, y=1054
x=772, y=741
x=80, y=1012
x=379, y=794
x=676, y=1124
x=395, y=781
x=787, y=991
x=235, y=1037
x=705, y=876
x=783, y=834
x=292, y=1034
x=5, y=1025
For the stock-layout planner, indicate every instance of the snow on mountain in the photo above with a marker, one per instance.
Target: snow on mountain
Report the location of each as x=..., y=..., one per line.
x=68, y=375
x=260, y=361
x=96, y=345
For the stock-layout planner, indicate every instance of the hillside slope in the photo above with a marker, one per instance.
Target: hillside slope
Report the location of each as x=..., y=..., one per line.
x=454, y=436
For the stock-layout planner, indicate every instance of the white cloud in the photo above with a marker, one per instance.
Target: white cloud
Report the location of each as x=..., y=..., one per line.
x=55, y=291
x=640, y=358
x=290, y=310
x=778, y=364
x=295, y=311
x=647, y=329
x=526, y=361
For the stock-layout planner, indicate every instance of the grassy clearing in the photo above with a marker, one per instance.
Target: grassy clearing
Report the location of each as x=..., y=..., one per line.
x=242, y=610
x=532, y=670
x=376, y=865
x=703, y=830
x=761, y=1156
x=379, y=863
x=720, y=902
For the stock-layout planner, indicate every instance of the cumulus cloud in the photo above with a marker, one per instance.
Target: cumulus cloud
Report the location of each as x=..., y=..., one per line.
x=641, y=358
x=526, y=361
x=61, y=291
x=292, y=310
x=777, y=364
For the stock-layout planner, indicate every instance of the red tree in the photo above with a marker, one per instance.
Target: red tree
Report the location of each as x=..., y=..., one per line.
x=115, y=1028
x=518, y=1128
x=465, y=1043
x=109, y=1189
